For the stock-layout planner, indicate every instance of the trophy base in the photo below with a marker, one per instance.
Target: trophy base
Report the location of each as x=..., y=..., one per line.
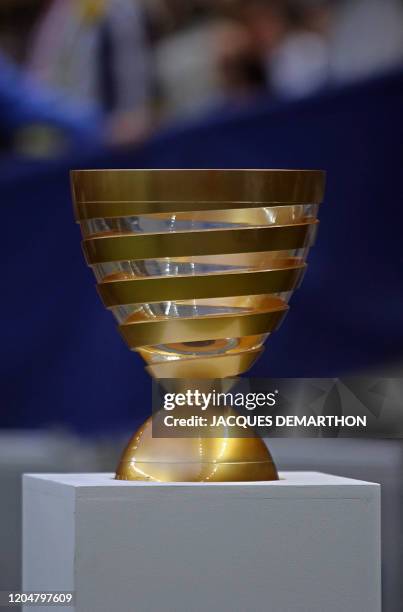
x=195, y=459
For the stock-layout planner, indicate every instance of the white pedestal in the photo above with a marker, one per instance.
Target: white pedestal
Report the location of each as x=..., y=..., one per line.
x=307, y=543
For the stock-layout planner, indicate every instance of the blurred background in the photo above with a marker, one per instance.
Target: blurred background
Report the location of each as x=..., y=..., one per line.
x=194, y=84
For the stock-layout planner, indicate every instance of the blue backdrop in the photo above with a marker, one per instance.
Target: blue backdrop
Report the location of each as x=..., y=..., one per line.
x=62, y=359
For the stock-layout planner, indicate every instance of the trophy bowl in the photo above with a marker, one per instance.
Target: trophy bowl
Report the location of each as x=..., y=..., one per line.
x=198, y=267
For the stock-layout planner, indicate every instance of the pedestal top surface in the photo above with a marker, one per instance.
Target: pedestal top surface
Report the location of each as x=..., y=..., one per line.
x=291, y=484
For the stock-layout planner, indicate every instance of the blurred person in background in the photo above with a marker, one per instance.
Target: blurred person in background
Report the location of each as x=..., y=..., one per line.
x=97, y=52
x=185, y=58
x=127, y=58
x=204, y=59
x=16, y=20
x=292, y=39
x=310, y=44
x=300, y=64
x=367, y=38
x=36, y=121
x=241, y=72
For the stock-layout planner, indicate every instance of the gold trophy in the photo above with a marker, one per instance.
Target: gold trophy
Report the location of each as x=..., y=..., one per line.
x=198, y=267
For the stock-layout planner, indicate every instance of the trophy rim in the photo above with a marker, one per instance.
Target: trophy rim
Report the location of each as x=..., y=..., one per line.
x=216, y=186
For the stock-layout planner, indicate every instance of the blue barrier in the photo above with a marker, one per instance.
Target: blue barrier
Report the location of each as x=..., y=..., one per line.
x=62, y=360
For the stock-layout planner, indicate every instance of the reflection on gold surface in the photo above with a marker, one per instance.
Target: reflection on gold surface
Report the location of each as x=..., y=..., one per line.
x=198, y=366
x=143, y=190
x=203, y=289
x=195, y=459
x=197, y=329
x=168, y=267
x=126, y=247
x=189, y=350
x=182, y=221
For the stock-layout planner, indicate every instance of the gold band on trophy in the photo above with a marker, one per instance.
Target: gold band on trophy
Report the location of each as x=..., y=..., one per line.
x=197, y=186
x=202, y=286
x=184, y=244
